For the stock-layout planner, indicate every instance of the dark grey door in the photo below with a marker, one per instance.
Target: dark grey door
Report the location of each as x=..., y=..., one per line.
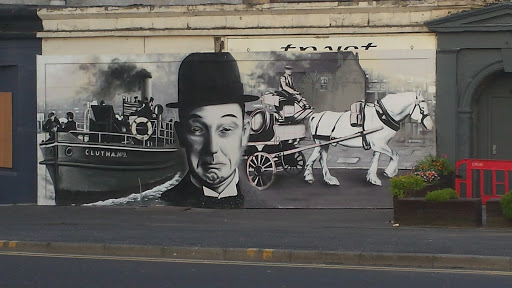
x=501, y=128
x=494, y=129
x=493, y=120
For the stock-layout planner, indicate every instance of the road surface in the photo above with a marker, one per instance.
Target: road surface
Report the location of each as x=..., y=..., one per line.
x=46, y=270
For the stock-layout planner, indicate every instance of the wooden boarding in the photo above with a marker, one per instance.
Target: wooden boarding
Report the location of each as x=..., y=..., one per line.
x=5, y=130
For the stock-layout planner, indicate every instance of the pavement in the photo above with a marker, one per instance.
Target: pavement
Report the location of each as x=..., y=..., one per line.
x=308, y=236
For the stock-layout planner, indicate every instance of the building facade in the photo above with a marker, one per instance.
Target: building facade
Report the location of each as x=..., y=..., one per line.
x=390, y=47
x=18, y=49
x=474, y=64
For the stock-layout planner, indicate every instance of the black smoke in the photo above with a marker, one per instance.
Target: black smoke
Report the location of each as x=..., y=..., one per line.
x=119, y=77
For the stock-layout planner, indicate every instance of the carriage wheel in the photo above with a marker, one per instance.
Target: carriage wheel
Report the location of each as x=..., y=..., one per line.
x=295, y=163
x=261, y=169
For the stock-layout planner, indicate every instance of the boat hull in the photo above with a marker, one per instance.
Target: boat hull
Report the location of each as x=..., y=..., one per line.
x=89, y=172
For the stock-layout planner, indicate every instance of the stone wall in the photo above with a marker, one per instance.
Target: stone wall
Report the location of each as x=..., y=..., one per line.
x=77, y=3
x=250, y=19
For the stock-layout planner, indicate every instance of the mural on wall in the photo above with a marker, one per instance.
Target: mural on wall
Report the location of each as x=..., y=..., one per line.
x=226, y=130
x=369, y=126
x=214, y=132
x=115, y=139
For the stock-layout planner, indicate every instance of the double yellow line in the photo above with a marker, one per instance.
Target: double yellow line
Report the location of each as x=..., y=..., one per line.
x=267, y=264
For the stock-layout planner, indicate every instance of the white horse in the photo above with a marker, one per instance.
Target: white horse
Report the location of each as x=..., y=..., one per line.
x=393, y=109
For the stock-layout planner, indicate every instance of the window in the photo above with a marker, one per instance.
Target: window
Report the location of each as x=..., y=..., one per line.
x=323, y=83
x=5, y=130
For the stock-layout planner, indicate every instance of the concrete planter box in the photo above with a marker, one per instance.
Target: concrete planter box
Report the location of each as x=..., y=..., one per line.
x=452, y=213
x=494, y=216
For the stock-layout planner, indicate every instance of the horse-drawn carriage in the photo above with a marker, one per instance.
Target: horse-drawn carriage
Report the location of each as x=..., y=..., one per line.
x=277, y=129
x=277, y=125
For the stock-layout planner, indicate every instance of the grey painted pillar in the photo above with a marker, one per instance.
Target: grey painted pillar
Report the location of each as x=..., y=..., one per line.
x=465, y=134
x=507, y=59
x=446, y=104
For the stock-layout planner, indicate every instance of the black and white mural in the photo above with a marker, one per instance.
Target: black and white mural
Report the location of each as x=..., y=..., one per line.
x=230, y=130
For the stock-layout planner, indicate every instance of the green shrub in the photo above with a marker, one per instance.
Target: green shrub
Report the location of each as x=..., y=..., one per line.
x=408, y=182
x=441, y=195
x=506, y=205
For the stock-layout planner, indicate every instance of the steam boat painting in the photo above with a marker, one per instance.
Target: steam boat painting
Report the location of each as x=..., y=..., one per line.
x=111, y=156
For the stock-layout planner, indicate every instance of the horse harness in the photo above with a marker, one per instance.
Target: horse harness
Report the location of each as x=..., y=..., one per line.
x=391, y=122
x=366, y=144
x=422, y=111
x=384, y=116
x=325, y=137
x=315, y=135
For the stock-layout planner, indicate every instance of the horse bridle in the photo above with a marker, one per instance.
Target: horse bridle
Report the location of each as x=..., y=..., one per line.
x=422, y=111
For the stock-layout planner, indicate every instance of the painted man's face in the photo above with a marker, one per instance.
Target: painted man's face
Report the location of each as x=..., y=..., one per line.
x=214, y=138
x=288, y=71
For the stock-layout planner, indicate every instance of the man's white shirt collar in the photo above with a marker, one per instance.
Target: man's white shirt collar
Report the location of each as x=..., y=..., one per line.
x=230, y=190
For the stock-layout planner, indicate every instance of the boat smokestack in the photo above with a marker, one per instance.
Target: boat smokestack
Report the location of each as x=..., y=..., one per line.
x=146, y=91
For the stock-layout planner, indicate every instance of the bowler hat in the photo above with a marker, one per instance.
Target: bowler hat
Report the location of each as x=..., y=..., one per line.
x=209, y=79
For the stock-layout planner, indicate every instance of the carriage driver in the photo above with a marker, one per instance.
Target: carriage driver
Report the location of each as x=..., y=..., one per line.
x=214, y=131
x=286, y=84
x=287, y=88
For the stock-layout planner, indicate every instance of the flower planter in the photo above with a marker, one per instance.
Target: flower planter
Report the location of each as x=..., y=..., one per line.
x=417, y=211
x=494, y=216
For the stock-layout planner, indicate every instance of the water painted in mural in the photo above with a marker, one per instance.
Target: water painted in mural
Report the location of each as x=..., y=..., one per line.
x=230, y=130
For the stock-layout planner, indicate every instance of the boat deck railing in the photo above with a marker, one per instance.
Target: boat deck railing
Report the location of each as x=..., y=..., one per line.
x=162, y=136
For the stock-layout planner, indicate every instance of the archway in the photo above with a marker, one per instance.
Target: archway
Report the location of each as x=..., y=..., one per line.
x=492, y=107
